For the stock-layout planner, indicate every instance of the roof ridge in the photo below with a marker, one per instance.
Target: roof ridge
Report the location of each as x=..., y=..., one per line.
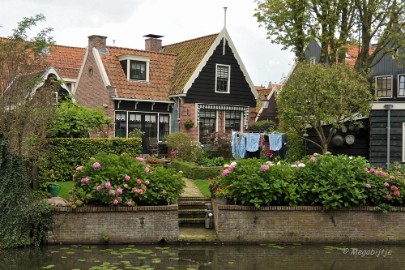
x=189, y=40
x=138, y=50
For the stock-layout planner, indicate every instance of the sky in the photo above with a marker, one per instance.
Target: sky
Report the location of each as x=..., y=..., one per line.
x=125, y=22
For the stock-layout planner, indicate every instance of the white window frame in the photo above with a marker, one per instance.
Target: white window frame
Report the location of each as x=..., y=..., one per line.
x=375, y=90
x=403, y=141
x=398, y=82
x=138, y=58
x=228, y=82
x=312, y=60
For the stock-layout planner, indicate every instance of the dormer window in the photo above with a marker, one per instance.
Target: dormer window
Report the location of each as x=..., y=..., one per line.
x=222, y=80
x=136, y=68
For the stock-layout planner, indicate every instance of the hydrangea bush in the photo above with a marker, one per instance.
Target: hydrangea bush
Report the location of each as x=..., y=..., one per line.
x=331, y=181
x=109, y=179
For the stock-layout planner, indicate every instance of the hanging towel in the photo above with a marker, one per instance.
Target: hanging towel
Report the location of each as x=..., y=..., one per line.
x=235, y=145
x=242, y=145
x=275, y=141
x=252, y=142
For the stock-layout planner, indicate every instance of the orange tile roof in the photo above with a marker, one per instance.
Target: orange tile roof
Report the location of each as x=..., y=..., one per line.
x=161, y=67
x=66, y=60
x=189, y=54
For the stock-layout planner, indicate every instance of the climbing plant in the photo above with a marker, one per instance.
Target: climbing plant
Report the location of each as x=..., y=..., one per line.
x=24, y=216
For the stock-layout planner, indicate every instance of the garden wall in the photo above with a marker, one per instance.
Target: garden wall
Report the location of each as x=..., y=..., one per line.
x=114, y=225
x=307, y=224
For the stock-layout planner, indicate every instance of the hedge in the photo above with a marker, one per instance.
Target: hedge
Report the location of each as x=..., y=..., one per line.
x=193, y=171
x=63, y=155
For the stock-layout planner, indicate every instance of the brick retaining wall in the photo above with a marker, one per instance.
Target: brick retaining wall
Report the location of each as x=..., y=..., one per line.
x=114, y=225
x=307, y=224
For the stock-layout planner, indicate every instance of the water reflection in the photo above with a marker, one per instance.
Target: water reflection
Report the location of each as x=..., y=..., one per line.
x=250, y=257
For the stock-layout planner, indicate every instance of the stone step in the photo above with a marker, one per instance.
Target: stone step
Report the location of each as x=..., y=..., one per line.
x=192, y=213
x=192, y=222
x=194, y=199
x=188, y=204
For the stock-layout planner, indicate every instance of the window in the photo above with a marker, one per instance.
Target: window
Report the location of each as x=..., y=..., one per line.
x=232, y=121
x=134, y=121
x=121, y=124
x=312, y=61
x=163, y=126
x=150, y=126
x=383, y=86
x=401, y=85
x=207, y=124
x=222, y=79
x=136, y=68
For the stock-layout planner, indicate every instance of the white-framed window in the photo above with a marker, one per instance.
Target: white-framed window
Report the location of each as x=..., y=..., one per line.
x=312, y=61
x=401, y=85
x=222, y=78
x=383, y=86
x=136, y=68
x=233, y=121
x=403, y=141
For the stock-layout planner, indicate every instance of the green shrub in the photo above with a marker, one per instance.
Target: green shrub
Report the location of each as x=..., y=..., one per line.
x=330, y=181
x=109, y=179
x=193, y=171
x=184, y=146
x=64, y=154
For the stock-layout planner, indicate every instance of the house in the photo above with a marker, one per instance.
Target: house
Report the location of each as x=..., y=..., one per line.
x=201, y=81
x=387, y=116
x=268, y=112
x=380, y=137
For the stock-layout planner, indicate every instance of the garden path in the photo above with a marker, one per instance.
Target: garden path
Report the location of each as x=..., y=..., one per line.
x=191, y=190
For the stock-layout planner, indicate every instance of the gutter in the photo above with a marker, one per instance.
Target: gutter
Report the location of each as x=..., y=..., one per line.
x=388, y=107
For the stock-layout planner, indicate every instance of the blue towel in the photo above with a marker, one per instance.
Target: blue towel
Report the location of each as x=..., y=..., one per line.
x=235, y=145
x=242, y=145
x=275, y=141
x=252, y=142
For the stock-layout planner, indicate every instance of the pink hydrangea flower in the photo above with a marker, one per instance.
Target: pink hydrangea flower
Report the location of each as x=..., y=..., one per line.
x=397, y=193
x=147, y=182
x=127, y=177
x=264, y=168
x=368, y=186
x=365, y=169
x=115, y=202
x=79, y=168
x=225, y=172
x=231, y=167
x=119, y=191
x=140, y=159
x=96, y=165
x=85, y=180
x=108, y=185
x=111, y=192
x=125, y=186
x=394, y=188
x=389, y=197
x=392, y=177
x=147, y=169
x=372, y=170
x=386, y=184
x=74, y=176
x=312, y=159
x=138, y=181
x=99, y=188
x=129, y=203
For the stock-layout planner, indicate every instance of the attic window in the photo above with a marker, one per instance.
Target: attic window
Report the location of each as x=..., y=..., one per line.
x=222, y=80
x=383, y=86
x=136, y=68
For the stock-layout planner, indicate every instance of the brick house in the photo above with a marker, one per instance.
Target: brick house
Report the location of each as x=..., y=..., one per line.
x=202, y=81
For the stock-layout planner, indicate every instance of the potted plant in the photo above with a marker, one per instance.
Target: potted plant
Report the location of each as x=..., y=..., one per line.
x=189, y=124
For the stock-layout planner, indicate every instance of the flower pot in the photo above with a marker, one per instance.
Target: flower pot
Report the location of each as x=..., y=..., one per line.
x=54, y=189
x=221, y=200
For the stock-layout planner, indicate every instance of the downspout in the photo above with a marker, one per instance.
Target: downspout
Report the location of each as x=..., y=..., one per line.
x=388, y=107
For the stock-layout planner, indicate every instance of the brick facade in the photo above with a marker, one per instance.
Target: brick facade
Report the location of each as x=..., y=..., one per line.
x=114, y=225
x=307, y=224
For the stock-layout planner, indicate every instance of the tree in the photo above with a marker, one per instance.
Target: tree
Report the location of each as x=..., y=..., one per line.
x=319, y=95
x=75, y=121
x=335, y=23
x=23, y=115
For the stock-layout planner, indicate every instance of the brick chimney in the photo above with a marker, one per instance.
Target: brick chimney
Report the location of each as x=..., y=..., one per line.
x=153, y=43
x=98, y=42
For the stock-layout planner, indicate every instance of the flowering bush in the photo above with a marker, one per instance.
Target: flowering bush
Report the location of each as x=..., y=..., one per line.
x=108, y=179
x=332, y=181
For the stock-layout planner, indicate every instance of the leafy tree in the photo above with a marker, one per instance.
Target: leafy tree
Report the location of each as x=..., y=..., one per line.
x=75, y=121
x=23, y=113
x=335, y=23
x=316, y=95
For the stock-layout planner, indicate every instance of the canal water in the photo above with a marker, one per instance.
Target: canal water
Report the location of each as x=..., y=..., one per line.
x=193, y=256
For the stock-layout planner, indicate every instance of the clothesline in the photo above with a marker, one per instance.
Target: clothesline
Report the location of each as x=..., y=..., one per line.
x=273, y=143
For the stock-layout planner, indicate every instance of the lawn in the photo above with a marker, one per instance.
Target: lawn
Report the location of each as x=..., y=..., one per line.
x=65, y=188
x=203, y=186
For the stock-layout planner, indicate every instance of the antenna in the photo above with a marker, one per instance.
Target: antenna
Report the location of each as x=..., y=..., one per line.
x=114, y=42
x=225, y=8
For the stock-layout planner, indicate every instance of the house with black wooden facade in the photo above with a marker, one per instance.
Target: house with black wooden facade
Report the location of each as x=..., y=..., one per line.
x=201, y=82
x=380, y=137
